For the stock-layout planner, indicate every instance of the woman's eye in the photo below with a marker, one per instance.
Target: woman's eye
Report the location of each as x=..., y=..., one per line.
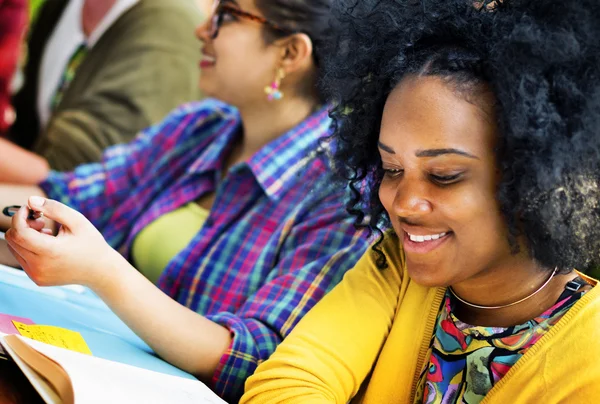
x=228, y=17
x=392, y=172
x=445, y=179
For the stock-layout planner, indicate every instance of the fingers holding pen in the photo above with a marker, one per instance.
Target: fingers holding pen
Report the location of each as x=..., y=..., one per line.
x=57, y=260
x=31, y=235
x=26, y=233
x=17, y=239
x=32, y=246
x=34, y=218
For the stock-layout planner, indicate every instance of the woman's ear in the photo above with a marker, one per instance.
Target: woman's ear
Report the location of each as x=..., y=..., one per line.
x=297, y=52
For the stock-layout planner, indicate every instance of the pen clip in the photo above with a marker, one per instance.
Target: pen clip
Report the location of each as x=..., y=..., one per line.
x=10, y=211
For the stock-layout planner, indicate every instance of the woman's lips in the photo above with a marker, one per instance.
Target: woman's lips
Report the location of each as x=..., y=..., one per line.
x=207, y=61
x=424, y=244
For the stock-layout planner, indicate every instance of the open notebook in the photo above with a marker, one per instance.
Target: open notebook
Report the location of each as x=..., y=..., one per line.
x=63, y=376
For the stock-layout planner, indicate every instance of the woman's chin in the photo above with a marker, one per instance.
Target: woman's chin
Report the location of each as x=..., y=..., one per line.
x=427, y=275
x=207, y=93
x=207, y=87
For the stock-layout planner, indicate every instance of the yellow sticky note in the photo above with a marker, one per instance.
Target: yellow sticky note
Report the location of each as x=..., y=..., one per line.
x=60, y=337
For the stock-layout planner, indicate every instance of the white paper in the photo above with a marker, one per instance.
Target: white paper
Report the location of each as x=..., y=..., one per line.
x=97, y=380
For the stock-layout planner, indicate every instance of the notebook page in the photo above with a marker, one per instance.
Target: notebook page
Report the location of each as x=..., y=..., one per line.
x=97, y=380
x=39, y=383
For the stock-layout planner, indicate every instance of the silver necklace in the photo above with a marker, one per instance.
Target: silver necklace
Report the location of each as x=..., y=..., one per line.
x=477, y=306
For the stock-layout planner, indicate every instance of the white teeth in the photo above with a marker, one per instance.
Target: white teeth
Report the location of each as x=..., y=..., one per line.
x=429, y=237
x=208, y=58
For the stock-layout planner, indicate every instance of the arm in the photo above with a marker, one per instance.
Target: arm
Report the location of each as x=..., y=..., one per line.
x=332, y=350
x=23, y=167
x=153, y=68
x=223, y=346
x=109, y=183
x=177, y=334
x=316, y=253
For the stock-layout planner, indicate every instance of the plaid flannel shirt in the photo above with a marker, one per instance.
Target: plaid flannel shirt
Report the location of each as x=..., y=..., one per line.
x=276, y=240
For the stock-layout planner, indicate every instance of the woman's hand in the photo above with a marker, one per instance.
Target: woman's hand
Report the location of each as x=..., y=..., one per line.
x=6, y=258
x=78, y=254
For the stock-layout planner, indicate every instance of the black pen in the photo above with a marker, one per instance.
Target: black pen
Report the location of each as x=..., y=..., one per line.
x=11, y=210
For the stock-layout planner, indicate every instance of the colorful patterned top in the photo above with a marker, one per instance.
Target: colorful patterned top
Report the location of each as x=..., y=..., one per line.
x=466, y=361
x=276, y=240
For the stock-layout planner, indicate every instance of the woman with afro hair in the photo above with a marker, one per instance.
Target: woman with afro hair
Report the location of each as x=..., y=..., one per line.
x=470, y=134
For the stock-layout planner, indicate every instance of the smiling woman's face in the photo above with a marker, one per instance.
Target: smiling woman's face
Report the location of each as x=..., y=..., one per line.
x=437, y=150
x=238, y=64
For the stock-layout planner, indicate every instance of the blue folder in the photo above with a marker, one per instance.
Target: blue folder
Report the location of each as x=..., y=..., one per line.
x=78, y=309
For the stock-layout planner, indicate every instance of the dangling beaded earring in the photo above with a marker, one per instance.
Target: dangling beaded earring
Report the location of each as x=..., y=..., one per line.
x=273, y=92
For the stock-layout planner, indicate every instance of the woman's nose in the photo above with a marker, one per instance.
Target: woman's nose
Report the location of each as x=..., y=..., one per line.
x=203, y=30
x=411, y=199
x=207, y=8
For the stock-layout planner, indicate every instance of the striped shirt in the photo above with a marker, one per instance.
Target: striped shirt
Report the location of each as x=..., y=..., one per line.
x=276, y=240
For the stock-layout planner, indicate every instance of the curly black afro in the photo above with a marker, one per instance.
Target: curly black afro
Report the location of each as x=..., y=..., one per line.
x=541, y=60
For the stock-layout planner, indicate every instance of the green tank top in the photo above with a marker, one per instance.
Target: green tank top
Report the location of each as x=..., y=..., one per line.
x=159, y=242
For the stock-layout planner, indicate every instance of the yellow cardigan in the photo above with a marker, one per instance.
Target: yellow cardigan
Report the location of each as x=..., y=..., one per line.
x=368, y=340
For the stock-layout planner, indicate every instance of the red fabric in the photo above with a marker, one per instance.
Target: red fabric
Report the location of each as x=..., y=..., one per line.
x=13, y=22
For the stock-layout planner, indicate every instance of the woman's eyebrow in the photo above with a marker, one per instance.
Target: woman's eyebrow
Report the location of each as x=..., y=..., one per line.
x=386, y=148
x=430, y=152
x=439, y=152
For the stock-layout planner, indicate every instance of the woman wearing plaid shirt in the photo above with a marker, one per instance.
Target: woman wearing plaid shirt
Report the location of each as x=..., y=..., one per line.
x=239, y=203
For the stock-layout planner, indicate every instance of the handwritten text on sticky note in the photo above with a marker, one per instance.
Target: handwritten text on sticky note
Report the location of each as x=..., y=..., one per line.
x=60, y=337
x=7, y=326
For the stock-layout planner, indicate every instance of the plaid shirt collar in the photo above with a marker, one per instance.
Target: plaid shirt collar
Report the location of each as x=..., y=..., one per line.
x=274, y=166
